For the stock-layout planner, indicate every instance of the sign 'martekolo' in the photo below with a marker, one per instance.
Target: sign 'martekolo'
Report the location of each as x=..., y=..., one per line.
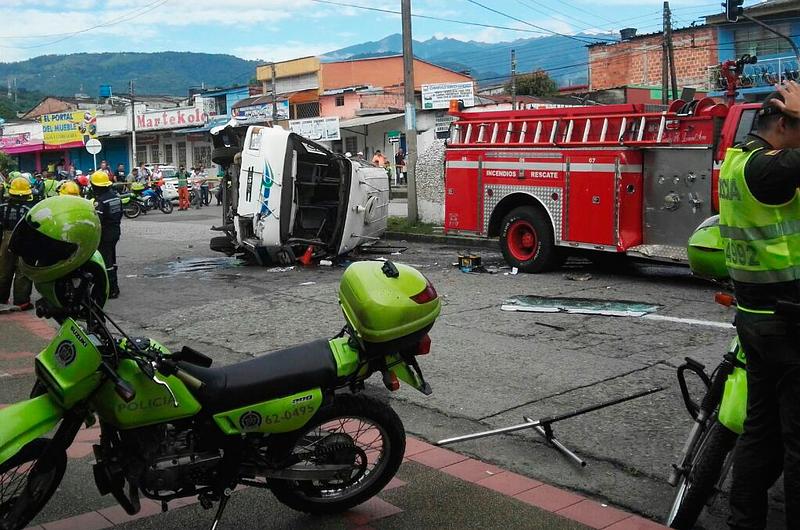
x=73, y=127
x=171, y=118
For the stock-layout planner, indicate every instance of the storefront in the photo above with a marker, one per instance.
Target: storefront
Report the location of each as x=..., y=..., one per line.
x=23, y=147
x=173, y=137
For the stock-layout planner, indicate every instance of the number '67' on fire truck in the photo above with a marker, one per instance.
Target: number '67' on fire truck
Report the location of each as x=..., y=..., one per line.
x=609, y=180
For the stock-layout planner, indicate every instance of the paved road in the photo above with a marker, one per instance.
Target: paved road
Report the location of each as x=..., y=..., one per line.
x=487, y=367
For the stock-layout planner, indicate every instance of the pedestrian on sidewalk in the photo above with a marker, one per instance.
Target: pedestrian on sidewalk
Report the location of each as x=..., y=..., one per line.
x=109, y=209
x=197, y=181
x=400, y=164
x=18, y=202
x=379, y=160
x=183, y=188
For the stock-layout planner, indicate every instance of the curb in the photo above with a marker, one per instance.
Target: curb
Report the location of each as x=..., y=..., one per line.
x=557, y=501
x=452, y=241
x=552, y=500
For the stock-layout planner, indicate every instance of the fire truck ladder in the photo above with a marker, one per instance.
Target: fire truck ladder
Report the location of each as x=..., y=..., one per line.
x=640, y=129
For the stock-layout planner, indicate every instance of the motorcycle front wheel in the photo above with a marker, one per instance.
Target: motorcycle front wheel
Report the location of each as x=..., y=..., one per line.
x=27, y=482
x=355, y=430
x=165, y=206
x=697, y=486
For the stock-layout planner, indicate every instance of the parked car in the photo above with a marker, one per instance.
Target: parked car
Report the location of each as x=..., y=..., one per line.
x=170, y=187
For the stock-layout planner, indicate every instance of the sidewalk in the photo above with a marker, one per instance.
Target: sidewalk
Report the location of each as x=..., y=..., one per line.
x=435, y=487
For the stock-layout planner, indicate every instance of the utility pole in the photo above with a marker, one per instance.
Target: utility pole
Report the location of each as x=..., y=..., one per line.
x=664, y=59
x=274, y=100
x=513, y=80
x=671, y=51
x=133, y=126
x=411, y=112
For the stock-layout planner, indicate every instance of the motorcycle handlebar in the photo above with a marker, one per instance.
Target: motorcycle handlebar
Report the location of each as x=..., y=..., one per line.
x=188, y=379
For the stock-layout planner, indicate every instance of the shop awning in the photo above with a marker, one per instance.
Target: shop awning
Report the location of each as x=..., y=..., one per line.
x=22, y=149
x=63, y=147
x=368, y=120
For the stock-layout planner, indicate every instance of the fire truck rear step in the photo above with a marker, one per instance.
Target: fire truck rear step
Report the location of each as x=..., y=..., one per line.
x=660, y=253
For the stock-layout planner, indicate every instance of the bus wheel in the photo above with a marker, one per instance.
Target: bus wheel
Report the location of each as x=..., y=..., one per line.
x=526, y=240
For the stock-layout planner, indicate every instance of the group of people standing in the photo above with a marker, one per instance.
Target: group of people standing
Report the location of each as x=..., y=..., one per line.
x=380, y=160
x=19, y=192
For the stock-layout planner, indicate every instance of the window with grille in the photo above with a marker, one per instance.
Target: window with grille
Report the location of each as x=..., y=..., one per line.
x=141, y=154
x=201, y=155
x=305, y=110
x=351, y=144
x=182, y=154
x=755, y=40
x=154, y=154
x=340, y=101
x=168, y=154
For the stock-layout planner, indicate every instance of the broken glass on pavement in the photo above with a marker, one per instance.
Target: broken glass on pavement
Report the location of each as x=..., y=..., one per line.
x=583, y=306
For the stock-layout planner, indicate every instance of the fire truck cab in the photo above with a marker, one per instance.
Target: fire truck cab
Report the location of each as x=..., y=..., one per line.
x=608, y=180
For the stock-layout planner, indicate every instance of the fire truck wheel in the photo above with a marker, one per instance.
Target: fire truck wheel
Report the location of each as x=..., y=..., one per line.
x=526, y=240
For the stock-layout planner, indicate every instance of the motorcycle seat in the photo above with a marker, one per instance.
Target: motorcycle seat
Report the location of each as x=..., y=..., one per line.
x=272, y=375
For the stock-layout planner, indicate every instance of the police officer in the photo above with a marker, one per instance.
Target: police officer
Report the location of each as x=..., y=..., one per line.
x=109, y=208
x=760, y=225
x=17, y=204
x=49, y=185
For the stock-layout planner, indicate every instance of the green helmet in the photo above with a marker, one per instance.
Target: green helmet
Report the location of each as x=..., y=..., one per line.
x=56, y=237
x=706, y=251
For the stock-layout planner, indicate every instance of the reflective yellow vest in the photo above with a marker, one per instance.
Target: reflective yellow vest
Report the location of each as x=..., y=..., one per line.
x=762, y=241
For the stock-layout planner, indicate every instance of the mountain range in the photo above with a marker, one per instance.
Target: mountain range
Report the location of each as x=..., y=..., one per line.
x=173, y=73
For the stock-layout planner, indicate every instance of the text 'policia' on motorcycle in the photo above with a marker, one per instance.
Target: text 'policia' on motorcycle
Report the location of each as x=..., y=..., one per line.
x=292, y=421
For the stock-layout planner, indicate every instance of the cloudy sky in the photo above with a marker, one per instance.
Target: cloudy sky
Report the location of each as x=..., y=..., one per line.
x=283, y=29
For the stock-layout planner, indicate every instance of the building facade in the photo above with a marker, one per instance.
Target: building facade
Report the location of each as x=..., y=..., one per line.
x=638, y=61
x=776, y=59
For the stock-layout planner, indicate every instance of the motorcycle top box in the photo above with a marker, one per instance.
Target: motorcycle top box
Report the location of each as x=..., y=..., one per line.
x=388, y=307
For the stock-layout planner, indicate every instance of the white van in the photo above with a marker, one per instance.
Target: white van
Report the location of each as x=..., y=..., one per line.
x=287, y=193
x=170, y=187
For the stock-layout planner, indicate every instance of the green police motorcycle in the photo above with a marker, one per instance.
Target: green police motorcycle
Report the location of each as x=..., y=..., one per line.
x=719, y=416
x=172, y=425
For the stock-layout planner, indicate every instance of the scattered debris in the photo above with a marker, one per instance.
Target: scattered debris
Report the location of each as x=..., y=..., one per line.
x=280, y=269
x=308, y=283
x=326, y=263
x=468, y=261
x=514, y=272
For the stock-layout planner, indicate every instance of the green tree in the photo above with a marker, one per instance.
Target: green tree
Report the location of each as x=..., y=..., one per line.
x=7, y=163
x=536, y=83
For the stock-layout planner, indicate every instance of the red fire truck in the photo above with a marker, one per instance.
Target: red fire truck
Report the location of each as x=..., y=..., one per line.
x=608, y=180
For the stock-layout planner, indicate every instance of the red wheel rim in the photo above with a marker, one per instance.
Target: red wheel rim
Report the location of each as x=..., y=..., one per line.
x=522, y=240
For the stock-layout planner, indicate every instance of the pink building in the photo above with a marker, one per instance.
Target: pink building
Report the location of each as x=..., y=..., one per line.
x=359, y=101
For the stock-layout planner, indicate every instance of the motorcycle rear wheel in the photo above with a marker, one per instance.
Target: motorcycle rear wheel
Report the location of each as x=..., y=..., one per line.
x=352, y=428
x=27, y=483
x=132, y=210
x=165, y=206
x=696, y=488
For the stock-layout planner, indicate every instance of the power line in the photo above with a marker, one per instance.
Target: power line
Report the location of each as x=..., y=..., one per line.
x=528, y=23
x=427, y=17
x=111, y=22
